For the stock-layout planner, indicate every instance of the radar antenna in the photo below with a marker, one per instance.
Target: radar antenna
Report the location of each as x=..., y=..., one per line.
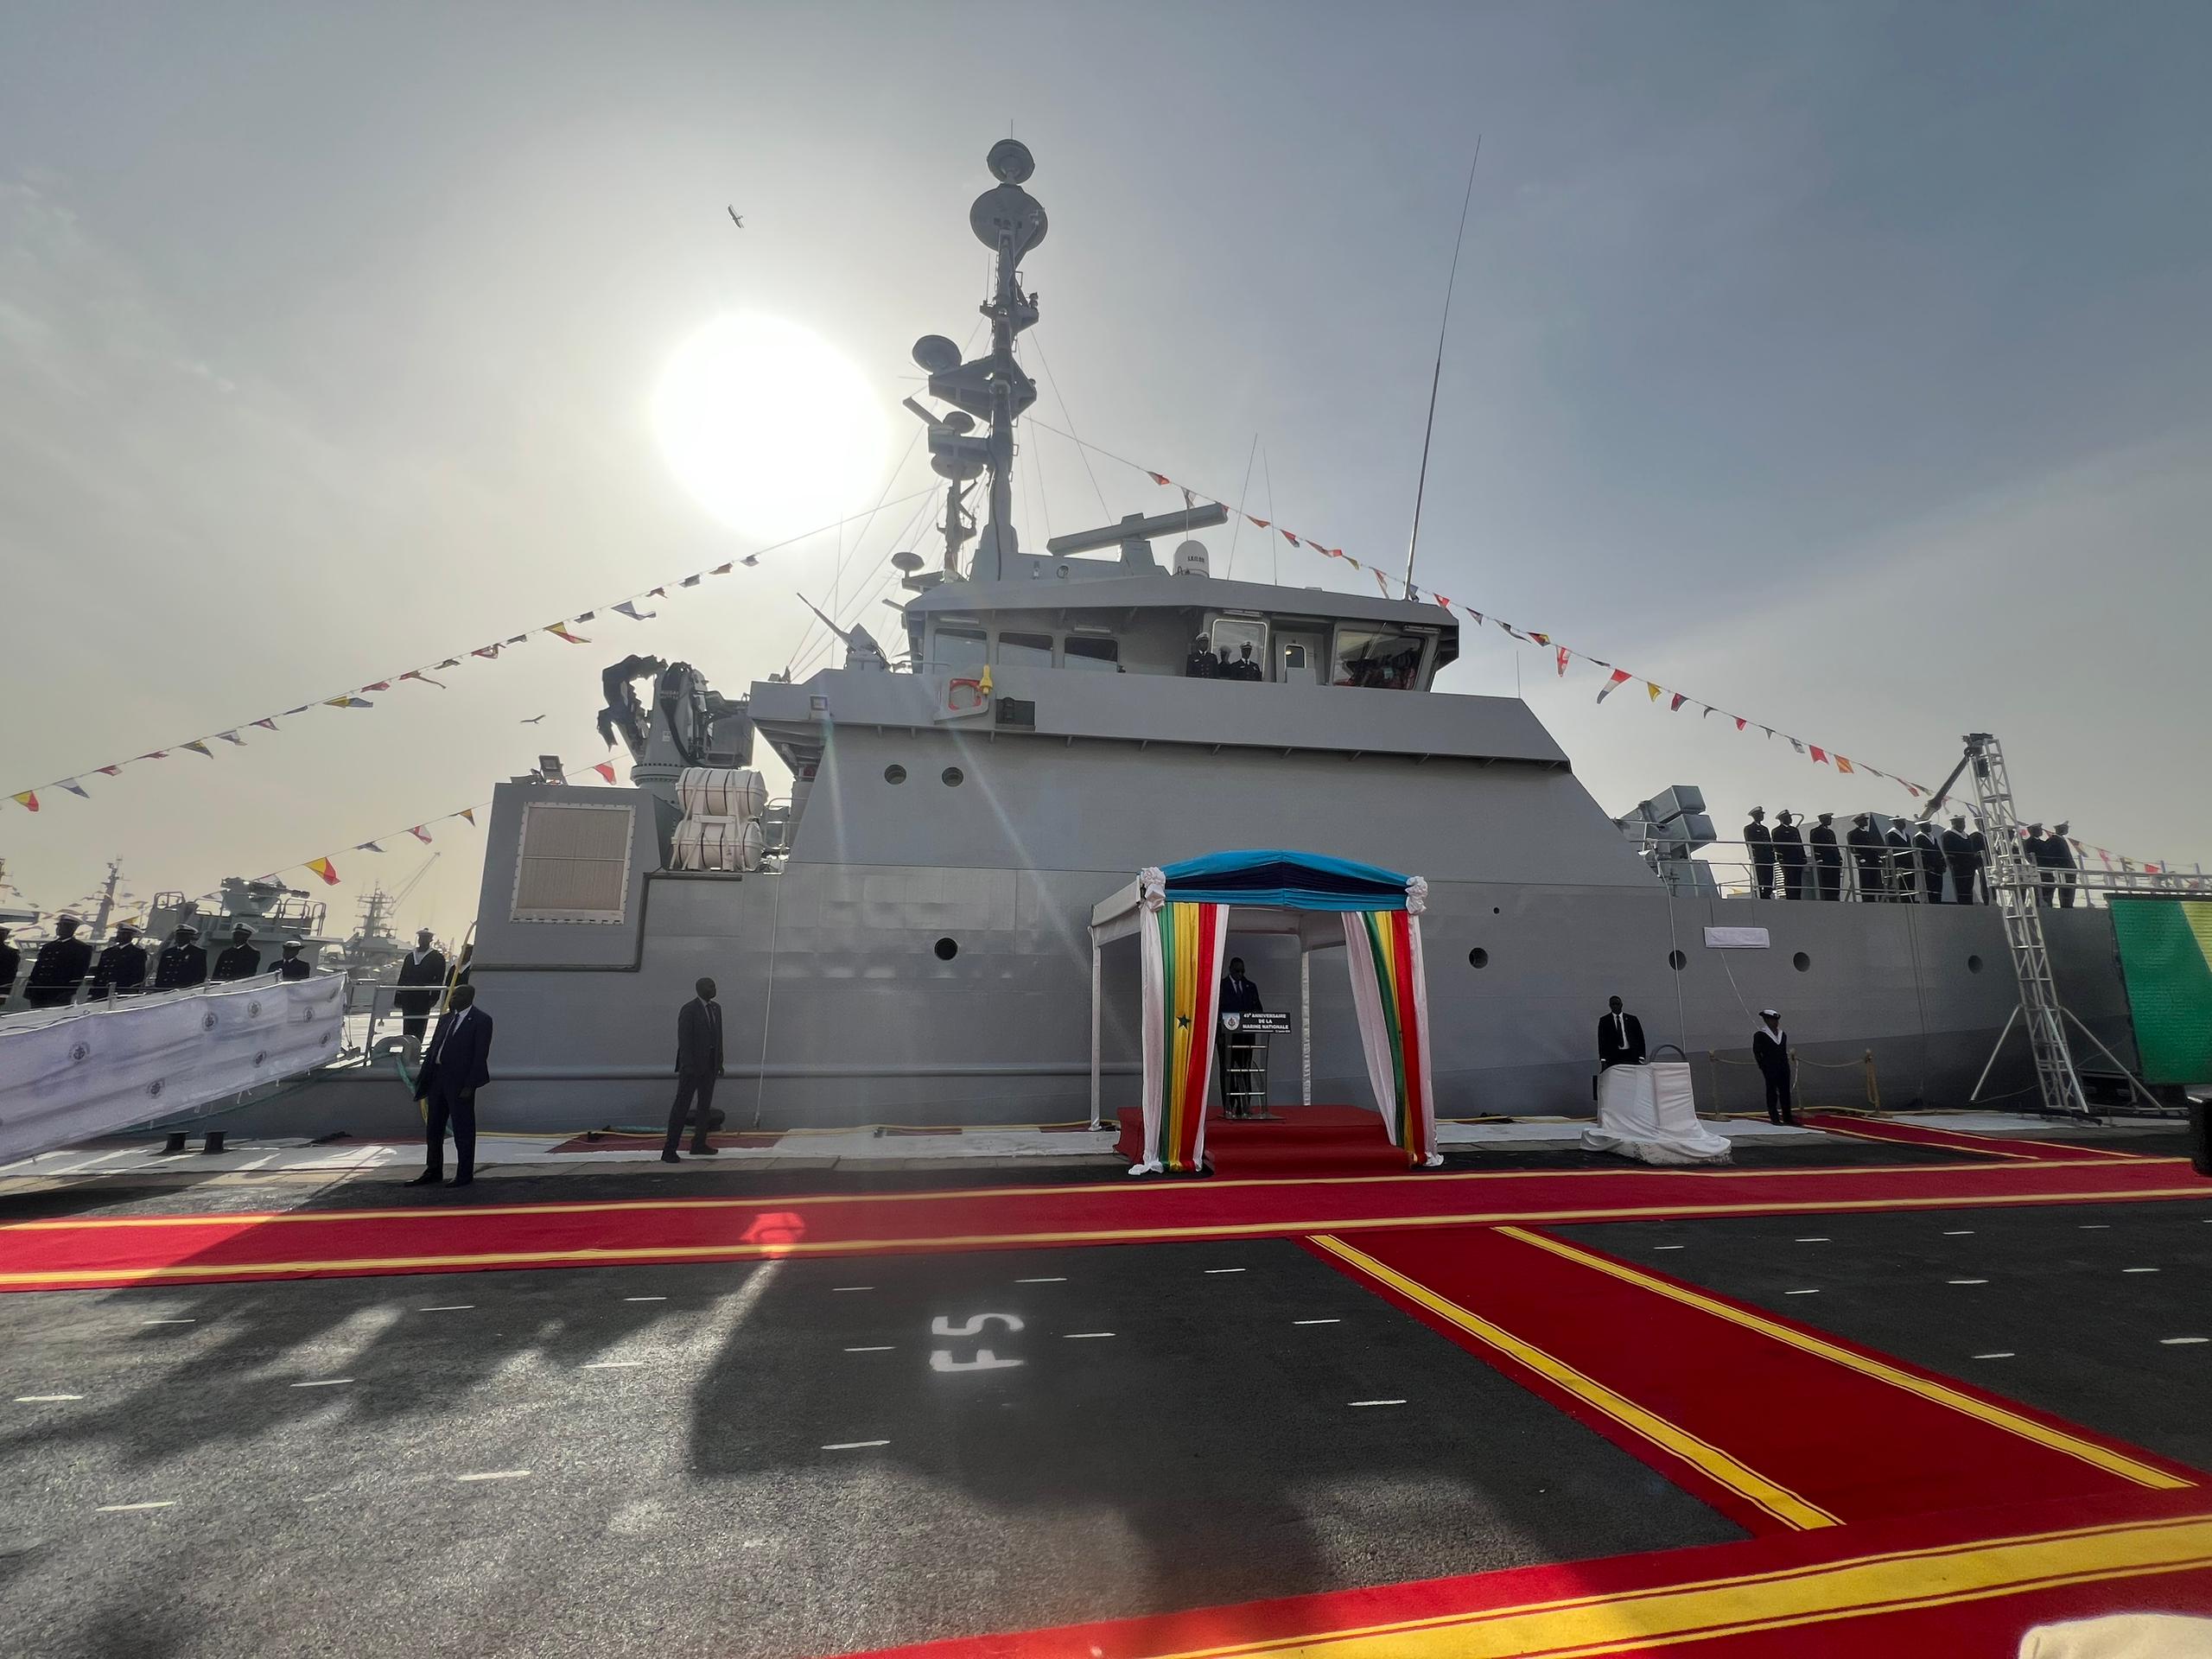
x=1009, y=221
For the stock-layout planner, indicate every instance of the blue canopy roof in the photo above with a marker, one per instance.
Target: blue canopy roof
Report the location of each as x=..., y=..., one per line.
x=1284, y=880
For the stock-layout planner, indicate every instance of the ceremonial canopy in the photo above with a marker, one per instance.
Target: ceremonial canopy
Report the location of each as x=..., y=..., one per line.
x=1182, y=916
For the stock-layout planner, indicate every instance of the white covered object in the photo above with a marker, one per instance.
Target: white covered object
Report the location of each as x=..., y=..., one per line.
x=718, y=844
x=98, y=1067
x=1650, y=1113
x=721, y=793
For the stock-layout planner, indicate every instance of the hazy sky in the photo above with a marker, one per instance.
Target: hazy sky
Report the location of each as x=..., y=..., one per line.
x=1845, y=366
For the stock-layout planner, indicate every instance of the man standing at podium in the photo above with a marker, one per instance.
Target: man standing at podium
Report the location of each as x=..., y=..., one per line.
x=1620, y=1038
x=1238, y=995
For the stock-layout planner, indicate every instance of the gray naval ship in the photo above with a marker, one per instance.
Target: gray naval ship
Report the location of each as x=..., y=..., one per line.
x=906, y=940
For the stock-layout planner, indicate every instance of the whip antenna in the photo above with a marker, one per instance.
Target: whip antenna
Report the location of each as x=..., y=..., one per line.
x=1421, y=488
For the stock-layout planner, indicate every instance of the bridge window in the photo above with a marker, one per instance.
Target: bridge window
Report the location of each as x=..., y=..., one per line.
x=1380, y=657
x=1089, y=652
x=1031, y=650
x=960, y=649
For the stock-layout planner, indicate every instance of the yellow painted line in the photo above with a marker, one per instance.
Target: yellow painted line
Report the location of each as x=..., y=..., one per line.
x=1903, y=1581
x=587, y=1257
x=1939, y=1394
x=1160, y=1189
x=1715, y=1464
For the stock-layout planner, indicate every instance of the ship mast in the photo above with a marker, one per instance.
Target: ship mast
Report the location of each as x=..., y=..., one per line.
x=1009, y=221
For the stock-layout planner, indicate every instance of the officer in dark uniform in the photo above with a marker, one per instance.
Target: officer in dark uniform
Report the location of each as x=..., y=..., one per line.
x=1901, y=862
x=2062, y=860
x=1960, y=855
x=1828, y=861
x=183, y=961
x=1789, y=853
x=2036, y=845
x=1246, y=667
x=290, y=965
x=11, y=962
x=241, y=960
x=62, y=963
x=1867, y=853
x=1202, y=664
x=1931, y=862
x=1760, y=840
x=121, y=971
x=1977, y=843
x=422, y=981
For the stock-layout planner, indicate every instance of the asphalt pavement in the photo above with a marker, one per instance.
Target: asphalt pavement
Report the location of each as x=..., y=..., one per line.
x=795, y=1458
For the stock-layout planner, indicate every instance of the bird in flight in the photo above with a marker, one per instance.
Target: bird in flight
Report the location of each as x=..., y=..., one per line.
x=533, y=720
x=737, y=218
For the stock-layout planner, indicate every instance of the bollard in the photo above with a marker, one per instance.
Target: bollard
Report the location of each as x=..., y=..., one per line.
x=2200, y=1136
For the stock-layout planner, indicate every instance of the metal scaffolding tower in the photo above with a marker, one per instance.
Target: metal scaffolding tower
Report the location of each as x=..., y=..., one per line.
x=2013, y=880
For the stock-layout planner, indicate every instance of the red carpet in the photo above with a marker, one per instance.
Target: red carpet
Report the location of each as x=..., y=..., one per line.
x=1778, y=1425
x=1308, y=1140
x=1989, y=1146
x=457, y=1235
x=1960, y=1586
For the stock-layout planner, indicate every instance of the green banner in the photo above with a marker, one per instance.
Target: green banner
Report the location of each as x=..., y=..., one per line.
x=2165, y=954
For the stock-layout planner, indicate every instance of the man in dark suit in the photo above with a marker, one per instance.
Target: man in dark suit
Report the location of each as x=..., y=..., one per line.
x=423, y=968
x=1770, y=1048
x=241, y=960
x=1828, y=861
x=1903, y=865
x=1790, y=853
x=1865, y=843
x=1977, y=843
x=183, y=961
x=1931, y=863
x=62, y=963
x=290, y=965
x=1620, y=1038
x=454, y=1066
x=1233, y=1053
x=1959, y=855
x=698, y=1068
x=2062, y=861
x=11, y=962
x=1760, y=840
x=121, y=971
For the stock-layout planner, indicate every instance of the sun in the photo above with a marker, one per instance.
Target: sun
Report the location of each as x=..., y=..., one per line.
x=769, y=426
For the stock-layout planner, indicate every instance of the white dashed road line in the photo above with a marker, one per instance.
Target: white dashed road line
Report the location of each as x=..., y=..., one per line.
x=884, y=1348
x=448, y=1307
x=834, y=1289
x=2179, y=1342
x=612, y=1364
x=2139, y=1269
x=125, y=1509
x=1317, y=1321
x=1378, y=1402
x=1669, y=1247
x=1801, y=1292
x=43, y=1399
x=1224, y=1269
x=2096, y=1226
x=1959, y=1232
x=853, y=1445
x=1081, y=1335
x=1041, y=1281
x=2004, y=1354
x=1815, y=1240
x=1966, y=1281
x=325, y=1383
x=644, y=1299
x=168, y=1321
x=498, y=1474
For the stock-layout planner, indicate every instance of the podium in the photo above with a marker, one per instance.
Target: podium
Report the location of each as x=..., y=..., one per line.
x=1240, y=1052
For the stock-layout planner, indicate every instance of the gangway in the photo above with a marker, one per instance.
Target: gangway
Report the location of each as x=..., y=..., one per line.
x=2014, y=881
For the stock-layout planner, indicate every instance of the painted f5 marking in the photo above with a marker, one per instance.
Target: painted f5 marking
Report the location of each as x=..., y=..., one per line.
x=941, y=1359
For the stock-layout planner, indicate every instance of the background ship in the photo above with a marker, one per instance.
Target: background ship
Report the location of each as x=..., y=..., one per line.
x=907, y=939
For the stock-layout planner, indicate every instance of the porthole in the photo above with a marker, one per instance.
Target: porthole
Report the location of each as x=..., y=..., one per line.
x=1495, y=910
x=1801, y=962
x=1677, y=961
x=1479, y=957
x=952, y=776
x=1974, y=964
x=947, y=950
x=894, y=774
